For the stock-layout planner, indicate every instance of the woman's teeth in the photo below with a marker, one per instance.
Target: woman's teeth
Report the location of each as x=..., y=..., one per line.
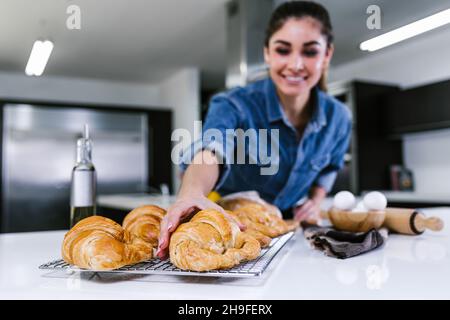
x=294, y=79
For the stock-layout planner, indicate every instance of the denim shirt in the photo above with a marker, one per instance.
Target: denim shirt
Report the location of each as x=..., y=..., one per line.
x=314, y=159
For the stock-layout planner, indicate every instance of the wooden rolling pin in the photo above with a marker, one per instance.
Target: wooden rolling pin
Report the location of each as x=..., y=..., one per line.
x=410, y=221
x=405, y=221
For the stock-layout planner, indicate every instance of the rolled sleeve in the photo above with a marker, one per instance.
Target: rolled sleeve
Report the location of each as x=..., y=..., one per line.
x=222, y=116
x=326, y=180
x=328, y=175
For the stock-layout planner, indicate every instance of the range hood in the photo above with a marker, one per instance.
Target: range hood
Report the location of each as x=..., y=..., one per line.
x=246, y=25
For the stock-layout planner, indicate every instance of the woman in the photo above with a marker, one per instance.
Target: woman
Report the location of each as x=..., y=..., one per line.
x=314, y=128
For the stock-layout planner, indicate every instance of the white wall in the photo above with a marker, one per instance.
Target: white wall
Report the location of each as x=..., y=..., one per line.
x=182, y=92
x=428, y=154
x=179, y=93
x=62, y=89
x=414, y=62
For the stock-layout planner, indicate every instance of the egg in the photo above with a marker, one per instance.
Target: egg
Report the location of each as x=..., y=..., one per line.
x=375, y=201
x=344, y=200
x=360, y=207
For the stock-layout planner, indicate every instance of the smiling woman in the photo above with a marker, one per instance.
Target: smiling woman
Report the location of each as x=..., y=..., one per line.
x=314, y=128
x=309, y=28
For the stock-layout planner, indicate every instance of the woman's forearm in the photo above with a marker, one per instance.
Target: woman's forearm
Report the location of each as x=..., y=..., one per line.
x=200, y=176
x=317, y=193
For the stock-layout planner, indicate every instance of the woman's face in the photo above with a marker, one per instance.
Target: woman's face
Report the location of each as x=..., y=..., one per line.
x=297, y=55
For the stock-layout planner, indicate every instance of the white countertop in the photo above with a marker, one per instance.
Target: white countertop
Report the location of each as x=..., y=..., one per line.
x=129, y=201
x=412, y=196
x=134, y=200
x=407, y=267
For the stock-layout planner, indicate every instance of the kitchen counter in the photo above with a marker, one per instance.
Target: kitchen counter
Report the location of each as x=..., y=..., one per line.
x=417, y=197
x=407, y=267
x=130, y=201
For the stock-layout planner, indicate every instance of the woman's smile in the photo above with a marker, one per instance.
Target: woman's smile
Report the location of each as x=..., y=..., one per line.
x=297, y=55
x=294, y=80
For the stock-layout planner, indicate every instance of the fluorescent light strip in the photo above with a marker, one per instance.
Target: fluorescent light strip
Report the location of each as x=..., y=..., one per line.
x=38, y=57
x=410, y=30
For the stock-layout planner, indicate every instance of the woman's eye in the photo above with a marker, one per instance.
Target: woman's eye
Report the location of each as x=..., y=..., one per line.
x=282, y=51
x=310, y=53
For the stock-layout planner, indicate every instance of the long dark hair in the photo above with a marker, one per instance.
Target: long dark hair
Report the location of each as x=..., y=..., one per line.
x=298, y=10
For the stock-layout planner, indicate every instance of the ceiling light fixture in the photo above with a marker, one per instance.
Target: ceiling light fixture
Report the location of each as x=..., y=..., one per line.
x=38, y=57
x=408, y=31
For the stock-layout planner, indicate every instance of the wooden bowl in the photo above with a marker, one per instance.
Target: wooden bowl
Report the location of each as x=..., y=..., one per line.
x=356, y=221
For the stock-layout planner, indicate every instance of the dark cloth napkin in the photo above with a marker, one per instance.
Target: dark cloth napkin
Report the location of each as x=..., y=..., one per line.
x=343, y=244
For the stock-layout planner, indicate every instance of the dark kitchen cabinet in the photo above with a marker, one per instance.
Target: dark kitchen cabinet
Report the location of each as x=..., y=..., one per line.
x=371, y=152
x=418, y=109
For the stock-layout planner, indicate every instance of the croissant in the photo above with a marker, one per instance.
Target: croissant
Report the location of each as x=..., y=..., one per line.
x=210, y=241
x=99, y=243
x=144, y=222
x=263, y=240
x=236, y=203
x=262, y=221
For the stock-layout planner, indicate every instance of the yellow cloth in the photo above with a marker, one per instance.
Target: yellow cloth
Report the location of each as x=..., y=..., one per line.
x=214, y=196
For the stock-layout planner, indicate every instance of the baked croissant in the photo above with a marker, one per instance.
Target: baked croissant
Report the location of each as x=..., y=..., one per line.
x=210, y=241
x=262, y=221
x=263, y=240
x=99, y=243
x=144, y=222
x=236, y=203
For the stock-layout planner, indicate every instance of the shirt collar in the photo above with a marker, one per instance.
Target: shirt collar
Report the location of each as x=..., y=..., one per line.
x=275, y=112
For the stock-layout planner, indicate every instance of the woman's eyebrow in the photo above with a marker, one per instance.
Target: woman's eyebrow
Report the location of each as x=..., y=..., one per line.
x=283, y=42
x=310, y=43
x=306, y=44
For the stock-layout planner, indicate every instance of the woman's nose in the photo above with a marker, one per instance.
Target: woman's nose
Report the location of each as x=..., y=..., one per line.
x=296, y=63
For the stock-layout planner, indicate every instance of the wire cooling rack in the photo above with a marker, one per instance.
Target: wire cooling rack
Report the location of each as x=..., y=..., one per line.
x=251, y=268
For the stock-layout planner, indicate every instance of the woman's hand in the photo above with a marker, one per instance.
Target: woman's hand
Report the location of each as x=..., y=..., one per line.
x=309, y=211
x=185, y=206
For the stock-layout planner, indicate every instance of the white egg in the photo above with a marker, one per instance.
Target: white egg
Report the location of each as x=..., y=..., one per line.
x=375, y=201
x=344, y=200
x=360, y=207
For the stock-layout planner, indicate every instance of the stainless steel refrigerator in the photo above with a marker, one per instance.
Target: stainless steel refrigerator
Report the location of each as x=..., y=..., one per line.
x=39, y=150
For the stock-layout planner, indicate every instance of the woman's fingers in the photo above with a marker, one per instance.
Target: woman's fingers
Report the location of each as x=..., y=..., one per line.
x=299, y=212
x=309, y=211
x=163, y=240
x=172, y=219
x=168, y=224
x=179, y=210
x=302, y=212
